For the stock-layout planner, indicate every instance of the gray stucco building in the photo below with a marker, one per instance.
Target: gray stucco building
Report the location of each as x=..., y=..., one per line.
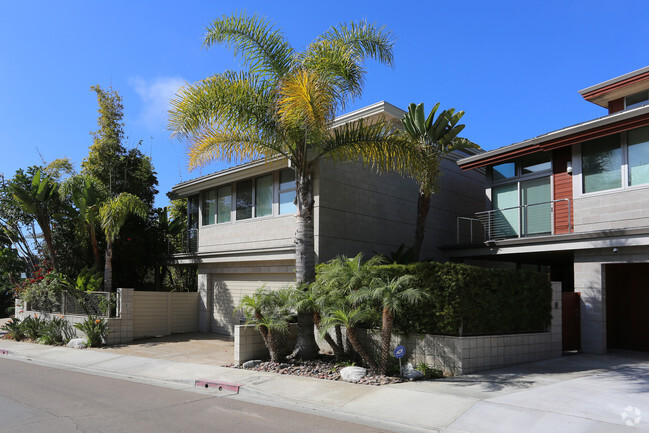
x=243, y=220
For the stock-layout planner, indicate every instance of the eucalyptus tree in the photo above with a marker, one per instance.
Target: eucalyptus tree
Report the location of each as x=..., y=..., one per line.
x=113, y=213
x=432, y=139
x=283, y=105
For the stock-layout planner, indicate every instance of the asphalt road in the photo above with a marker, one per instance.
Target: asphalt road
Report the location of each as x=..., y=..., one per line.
x=35, y=398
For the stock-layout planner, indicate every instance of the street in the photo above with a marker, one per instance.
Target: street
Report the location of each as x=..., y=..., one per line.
x=34, y=398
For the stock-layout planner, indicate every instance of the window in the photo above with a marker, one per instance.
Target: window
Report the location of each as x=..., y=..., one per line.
x=601, y=160
x=638, y=147
x=637, y=99
x=521, y=196
x=209, y=207
x=503, y=171
x=224, y=204
x=264, y=196
x=244, y=200
x=287, y=192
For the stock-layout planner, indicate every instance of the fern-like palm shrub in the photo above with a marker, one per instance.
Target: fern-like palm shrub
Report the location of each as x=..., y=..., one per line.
x=269, y=310
x=96, y=330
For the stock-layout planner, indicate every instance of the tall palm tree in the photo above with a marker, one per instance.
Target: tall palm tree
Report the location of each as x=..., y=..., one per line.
x=432, y=139
x=393, y=295
x=113, y=214
x=87, y=194
x=39, y=199
x=284, y=106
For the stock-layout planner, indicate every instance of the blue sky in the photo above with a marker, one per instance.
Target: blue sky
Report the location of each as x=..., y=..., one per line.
x=514, y=67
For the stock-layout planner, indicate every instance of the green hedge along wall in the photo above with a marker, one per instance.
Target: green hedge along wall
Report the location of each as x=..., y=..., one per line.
x=470, y=300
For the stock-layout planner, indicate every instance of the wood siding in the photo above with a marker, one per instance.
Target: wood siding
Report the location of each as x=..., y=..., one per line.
x=164, y=313
x=615, y=105
x=562, y=186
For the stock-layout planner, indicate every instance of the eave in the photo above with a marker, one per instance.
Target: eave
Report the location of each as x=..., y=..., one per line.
x=607, y=125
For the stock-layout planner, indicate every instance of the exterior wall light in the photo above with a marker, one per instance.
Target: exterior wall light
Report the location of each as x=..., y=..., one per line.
x=569, y=167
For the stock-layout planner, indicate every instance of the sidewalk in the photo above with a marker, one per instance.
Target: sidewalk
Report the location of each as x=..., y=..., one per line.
x=571, y=394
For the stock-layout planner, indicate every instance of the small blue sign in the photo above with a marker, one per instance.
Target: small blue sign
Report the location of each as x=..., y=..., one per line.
x=399, y=351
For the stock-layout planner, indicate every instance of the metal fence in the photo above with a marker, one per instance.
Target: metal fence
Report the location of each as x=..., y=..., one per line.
x=99, y=304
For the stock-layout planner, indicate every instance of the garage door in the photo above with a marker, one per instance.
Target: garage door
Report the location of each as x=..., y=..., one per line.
x=228, y=289
x=627, y=306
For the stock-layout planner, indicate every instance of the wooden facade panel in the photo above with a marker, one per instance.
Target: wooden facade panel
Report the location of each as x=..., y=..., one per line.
x=562, y=187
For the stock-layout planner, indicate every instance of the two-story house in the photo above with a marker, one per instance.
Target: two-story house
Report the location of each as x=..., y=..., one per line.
x=242, y=220
x=577, y=200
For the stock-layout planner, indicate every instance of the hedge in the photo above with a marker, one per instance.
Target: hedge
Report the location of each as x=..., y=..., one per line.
x=470, y=300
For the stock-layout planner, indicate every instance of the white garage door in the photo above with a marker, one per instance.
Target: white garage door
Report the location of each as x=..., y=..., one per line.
x=228, y=289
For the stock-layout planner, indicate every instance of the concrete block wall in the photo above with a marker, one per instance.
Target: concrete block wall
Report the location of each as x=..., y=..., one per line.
x=249, y=344
x=612, y=209
x=463, y=355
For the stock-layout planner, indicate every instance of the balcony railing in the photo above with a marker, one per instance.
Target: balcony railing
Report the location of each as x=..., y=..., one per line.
x=537, y=219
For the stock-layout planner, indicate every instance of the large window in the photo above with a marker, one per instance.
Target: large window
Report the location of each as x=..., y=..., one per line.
x=250, y=198
x=224, y=204
x=637, y=99
x=287, y=192
x=264, y=196
x=601, y=160
x=244, y=200
x=521, y=196
x=615, y=161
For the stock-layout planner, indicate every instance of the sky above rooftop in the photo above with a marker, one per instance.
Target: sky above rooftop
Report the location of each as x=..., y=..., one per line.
x=514, y=67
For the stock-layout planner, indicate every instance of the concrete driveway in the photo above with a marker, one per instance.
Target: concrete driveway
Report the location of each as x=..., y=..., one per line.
x=197, y=348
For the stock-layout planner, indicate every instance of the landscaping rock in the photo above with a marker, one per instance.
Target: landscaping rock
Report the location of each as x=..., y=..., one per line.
x=353, y=374
x=409, y=372
x=251, y=364
x=77, y=343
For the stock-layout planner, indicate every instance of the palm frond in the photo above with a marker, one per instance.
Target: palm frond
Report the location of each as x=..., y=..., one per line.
x=114, y=212
x=233, y=99
x=263, y=49
x=212, y=144
x=306, y=100
x=377, y=145
x=367, y=40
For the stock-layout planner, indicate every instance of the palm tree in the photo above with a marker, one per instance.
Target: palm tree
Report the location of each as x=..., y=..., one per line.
x=350, y=318
x=283, y=106
x=393, y=294
x=113, y=214
x=269, y=311
x=87, y=195
x=39, y=199
x=432, y=139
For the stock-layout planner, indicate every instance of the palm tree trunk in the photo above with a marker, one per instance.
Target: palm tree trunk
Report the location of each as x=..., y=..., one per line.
x=305, y=346
x=108, y=269
x=95, y=246
x=356, y=344
x=47, y=235
x=386, y=336
x=423, y=204
x=339, y=338
x=273, y=349
x=327, y=337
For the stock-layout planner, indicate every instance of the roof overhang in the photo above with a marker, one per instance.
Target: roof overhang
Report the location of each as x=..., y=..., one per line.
x=381, y=108
x=617, y=87
x=229, y=175
x=607, y=125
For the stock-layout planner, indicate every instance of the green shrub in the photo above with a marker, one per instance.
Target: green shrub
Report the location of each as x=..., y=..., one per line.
x=470, y=300
x=95, y=329
x=14, y=329
x=33, y=327
x=55, y=332
x=429, y=372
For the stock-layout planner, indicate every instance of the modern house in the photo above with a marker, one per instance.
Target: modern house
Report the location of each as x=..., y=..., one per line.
x=577, y=200
x=242, y=220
